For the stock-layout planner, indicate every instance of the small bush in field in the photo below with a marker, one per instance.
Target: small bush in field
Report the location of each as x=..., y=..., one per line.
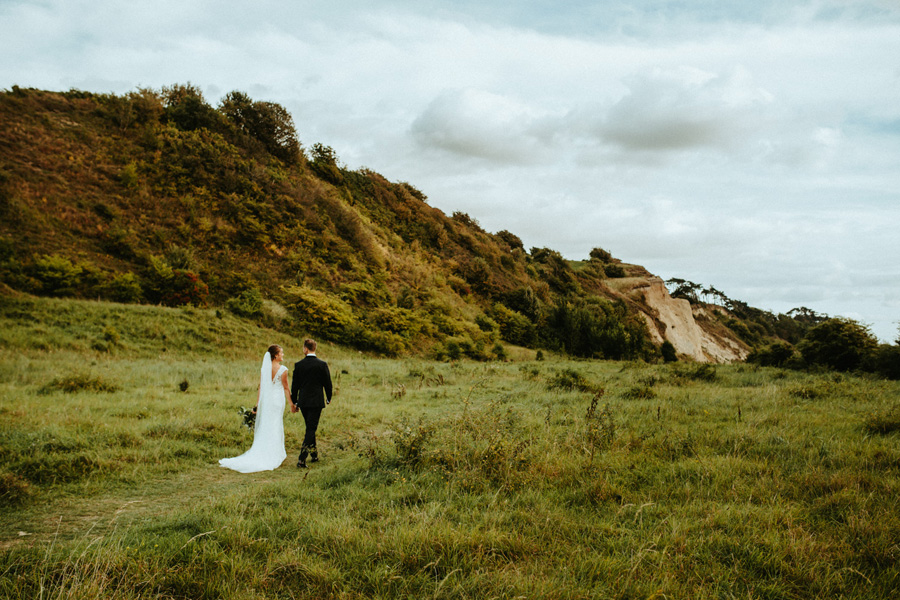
x=248, y=304
x=704, y=372
x=639, y=392
x=570, y=380
x=410, y=441
x=57, y=275
x=123, y=288
x=80, y=382
x=13, y=489
x=883, y=423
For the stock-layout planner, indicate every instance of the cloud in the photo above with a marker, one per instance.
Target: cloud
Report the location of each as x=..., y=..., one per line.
x=475, y=123
x=684, y=108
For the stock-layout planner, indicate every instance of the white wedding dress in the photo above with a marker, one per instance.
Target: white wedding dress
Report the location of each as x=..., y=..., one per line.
x=267, y=452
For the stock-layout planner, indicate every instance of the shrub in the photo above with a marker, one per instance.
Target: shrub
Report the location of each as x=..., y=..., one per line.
x=129, y=176
x=514, y=327
x=185, y=287
x=57, y=275
x=14, y=490
x=668, y=352
x=774, y=355
x=696, y=372
x=247, y=304
x=570, y=379
x=80, y=382
x=323, y=314
x=614, y=270
x=883, y=423
x=886, y=361
x=124, y=288
x=841, y=344
x=639, y=392
x=601, y=255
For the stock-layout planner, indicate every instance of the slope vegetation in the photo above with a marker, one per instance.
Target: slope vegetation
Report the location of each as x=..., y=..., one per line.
x=157, y=197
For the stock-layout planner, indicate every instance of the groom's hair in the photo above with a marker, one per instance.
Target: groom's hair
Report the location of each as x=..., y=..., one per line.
x=309, y=344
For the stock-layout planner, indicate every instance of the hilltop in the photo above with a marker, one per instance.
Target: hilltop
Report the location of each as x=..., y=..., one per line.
x=157, y=197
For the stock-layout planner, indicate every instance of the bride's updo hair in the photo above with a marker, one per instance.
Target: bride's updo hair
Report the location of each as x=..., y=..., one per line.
x=273, y=350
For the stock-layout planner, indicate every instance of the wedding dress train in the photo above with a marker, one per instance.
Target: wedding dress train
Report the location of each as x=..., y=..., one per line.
x=267, y=452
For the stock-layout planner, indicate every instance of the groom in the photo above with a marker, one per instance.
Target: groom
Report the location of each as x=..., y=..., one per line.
x=310, y=392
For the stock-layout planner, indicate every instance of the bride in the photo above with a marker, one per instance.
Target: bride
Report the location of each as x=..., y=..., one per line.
x=267, y=452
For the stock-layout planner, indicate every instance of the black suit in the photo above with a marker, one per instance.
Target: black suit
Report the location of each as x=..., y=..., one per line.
x=311, y=391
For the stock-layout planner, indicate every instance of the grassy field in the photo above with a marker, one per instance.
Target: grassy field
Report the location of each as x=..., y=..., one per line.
x=550, y=479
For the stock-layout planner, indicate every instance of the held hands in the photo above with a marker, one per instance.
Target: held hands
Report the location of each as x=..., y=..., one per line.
x=294, y=408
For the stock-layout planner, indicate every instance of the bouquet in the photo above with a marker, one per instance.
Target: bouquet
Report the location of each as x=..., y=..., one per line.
x=249, y=417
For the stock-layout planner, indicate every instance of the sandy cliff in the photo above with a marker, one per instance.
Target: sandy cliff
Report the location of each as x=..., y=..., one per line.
x=692, y=330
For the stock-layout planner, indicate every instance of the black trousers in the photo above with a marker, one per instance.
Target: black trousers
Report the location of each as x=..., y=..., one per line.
x=311, y=418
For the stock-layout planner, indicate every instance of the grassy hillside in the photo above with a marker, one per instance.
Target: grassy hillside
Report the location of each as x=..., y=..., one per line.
x=157, y=197
x=543, y=479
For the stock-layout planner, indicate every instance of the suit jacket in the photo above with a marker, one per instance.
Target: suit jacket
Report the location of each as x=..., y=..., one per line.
x=311, y=383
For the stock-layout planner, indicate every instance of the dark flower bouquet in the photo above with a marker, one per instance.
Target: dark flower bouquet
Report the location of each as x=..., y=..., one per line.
x=249, y=417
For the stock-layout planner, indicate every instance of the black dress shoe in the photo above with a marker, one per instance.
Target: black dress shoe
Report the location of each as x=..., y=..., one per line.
x=314, y=459
x=301, y=465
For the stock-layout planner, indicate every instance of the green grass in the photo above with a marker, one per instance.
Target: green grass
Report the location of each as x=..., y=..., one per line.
x=478, y=480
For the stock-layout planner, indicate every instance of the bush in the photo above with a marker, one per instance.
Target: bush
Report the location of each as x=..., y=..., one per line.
x=886, y=361
x=514, y=327
x=322, y=314
x=570, y=379
x=248, y=304
x=841, y=344
x=774, y=355
x=883, y=423
x=57, y=275
x=124, y=288
x=668, y=352
x=14, y=490
x=80, y=382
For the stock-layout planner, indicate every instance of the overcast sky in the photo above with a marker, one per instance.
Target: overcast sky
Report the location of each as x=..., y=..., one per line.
x=753, y=146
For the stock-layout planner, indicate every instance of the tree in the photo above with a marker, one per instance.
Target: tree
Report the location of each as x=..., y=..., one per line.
x=325, y=164
x=186, y=108
x=839, y=343
x=668, y=352
x=268, y=123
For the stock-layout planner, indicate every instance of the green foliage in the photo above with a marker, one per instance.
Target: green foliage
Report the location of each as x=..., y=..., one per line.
x=80, y=382
x=57, y=275
x=614, y=270
x=187, y=110
x=572, y=380
x=249, y=304
x=515, y=327
x=321, y=313
x=325, y=164
x=840, y=344
x=776, y=354
x=883, y=422
x=667, y=350
x=601, y=255
x=266, y=122
x=596, y=328
x=886, y=361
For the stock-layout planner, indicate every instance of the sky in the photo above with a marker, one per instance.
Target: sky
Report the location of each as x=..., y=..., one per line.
x=751, y=146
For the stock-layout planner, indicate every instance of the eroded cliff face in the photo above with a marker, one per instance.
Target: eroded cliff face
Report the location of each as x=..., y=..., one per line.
x=692, y=330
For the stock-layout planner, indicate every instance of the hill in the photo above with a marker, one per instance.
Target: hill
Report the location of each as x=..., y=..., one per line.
x=157, y=197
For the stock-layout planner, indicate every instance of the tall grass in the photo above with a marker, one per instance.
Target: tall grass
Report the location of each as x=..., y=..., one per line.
x=552, y=479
